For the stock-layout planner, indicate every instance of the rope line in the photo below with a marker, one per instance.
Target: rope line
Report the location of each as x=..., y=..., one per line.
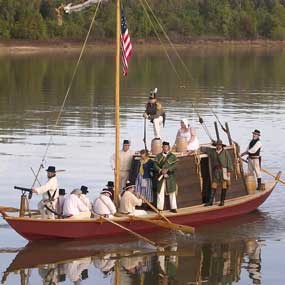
x=70, y=85
x=161, y=42
x=170, y=61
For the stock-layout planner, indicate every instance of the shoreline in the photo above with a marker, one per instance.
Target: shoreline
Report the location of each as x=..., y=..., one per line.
x=14, y=47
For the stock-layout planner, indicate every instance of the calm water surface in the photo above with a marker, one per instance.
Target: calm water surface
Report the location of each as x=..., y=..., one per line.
x=246, y=89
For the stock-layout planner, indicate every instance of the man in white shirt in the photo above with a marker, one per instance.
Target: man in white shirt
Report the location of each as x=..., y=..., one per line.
x=103, y=205
x=50, y=194
x=126, y=158
x=254, y=158
x=74, y=208
x=83, y=197
x=129, y=201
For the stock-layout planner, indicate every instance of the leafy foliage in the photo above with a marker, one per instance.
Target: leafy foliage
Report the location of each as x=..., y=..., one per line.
x=182, y=19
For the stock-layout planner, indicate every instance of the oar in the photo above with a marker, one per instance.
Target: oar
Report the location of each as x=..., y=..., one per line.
x=8, y=209
x=163, y=224
x=130, y=231
x=276, y=177
x=178, y=227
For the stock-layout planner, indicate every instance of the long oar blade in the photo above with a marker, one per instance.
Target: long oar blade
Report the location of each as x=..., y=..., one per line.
x=167, y=225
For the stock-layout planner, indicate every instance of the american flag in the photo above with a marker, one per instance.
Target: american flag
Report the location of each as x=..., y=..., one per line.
x=126, y=45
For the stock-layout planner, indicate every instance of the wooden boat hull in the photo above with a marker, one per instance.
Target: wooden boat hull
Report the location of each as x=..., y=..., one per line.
x=39, y=229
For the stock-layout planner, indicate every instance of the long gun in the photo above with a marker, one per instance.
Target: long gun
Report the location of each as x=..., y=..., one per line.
x=23, y=189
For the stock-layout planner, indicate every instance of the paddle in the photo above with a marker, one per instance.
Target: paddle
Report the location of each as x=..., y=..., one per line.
x=130, y=231
x=163, y=224
x=276, y=177
x=174, y=226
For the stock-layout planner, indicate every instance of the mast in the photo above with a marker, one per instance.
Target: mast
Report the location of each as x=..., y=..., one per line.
x=117, y=104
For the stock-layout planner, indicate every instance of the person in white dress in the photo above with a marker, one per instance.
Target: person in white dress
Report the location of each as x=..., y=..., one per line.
x=74, y=208
x=129, y=201
x=50, y=194
x=83, y=197
x=189, y=134
x=103, y=205
x=125, y=158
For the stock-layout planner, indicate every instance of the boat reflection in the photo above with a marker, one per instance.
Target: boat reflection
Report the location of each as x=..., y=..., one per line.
x=191, y=263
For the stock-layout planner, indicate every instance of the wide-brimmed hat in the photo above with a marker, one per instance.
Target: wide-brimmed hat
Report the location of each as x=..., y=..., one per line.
x=110, y=184
x=84, y=189
x=256, y=132
x=107, y=191
x=129, y=185
x=219, y=142
x=61, y=191
x=51, y=169
x=126, y=142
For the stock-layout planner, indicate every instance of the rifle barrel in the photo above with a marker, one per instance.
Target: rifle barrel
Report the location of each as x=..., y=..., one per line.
x=23, y=189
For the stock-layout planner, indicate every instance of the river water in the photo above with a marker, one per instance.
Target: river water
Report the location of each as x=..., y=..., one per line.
x=244, y=88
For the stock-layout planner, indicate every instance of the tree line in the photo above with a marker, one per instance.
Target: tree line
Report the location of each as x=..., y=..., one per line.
x=182, y=19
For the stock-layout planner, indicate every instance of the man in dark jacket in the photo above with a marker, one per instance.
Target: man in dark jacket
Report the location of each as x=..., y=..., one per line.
x=165, y=166
x=222, y=167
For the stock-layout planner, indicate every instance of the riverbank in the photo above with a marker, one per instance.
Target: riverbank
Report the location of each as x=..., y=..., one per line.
x=16, y=47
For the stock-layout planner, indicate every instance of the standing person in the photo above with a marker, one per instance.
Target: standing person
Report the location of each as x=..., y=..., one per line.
x=155, y=113
x=125, y=157
x=50, y=194
x=189, y=134
x=165, y=166
x=222, y=167
x=74, y=208
x=83, y=197
x=129, y=201
x=254, y=158
x=60, y=202
x=144, y=177
x=104, y=205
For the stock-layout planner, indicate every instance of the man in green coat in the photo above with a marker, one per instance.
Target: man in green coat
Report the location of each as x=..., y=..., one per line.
x=165, y=165
x=222, y=167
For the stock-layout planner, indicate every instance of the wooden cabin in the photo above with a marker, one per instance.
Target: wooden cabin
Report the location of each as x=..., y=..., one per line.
x=193, y=174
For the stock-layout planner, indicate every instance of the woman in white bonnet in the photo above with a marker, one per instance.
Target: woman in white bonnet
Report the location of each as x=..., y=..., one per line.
x=189, y=134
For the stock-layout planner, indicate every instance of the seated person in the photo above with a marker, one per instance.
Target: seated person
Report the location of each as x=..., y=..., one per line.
x=73, y=207
x=103, y=205
x=129, y=201
x=83, y=197
x=189, y=134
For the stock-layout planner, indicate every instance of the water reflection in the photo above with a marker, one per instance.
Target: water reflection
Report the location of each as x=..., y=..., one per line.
x=193, y=263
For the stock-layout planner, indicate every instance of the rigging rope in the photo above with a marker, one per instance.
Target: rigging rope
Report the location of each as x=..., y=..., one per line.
x=157, y=35
x=201, y=121
x=69, y=86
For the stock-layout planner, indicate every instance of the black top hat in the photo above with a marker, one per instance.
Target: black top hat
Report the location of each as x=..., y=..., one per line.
x=51, y=169
x=165, y=143
x=126, y=142
x=84, y=189
x=61, y=191
x=110, y=184
x=129, y=185
x=256, y=132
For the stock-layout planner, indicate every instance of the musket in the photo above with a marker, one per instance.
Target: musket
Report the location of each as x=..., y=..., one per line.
x=144, y=135
x=23, y=189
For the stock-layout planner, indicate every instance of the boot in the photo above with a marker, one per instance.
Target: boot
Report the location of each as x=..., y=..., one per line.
x=213, y=193
x=223, y=197
x=258, y=184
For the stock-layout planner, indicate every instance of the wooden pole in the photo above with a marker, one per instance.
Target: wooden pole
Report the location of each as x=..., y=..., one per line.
x=130, y=231
x=117, y=105
x=276, y=177
x=229, y=134
x=217, y=130
x=174, y=226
